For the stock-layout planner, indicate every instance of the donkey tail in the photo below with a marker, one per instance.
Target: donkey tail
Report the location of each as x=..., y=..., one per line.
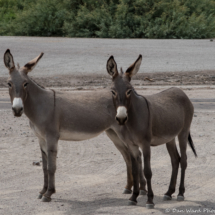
x=191, y=144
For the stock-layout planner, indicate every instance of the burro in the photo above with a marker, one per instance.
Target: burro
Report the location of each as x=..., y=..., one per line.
x=71, y=116
x=151, y=121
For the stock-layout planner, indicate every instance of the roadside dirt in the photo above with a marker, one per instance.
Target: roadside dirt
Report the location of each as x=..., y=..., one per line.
x=91, y=174
x=142, y=79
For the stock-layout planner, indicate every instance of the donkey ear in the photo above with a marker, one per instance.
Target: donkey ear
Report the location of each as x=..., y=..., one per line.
x=112, y=67
x=134, y=68
x=31, y=64
x=8, y=60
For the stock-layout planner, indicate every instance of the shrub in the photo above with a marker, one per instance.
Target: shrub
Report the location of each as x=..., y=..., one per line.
x=110, y=18
x=41, y=18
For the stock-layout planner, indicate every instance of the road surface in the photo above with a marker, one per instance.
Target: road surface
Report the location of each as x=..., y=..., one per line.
x=85, y=56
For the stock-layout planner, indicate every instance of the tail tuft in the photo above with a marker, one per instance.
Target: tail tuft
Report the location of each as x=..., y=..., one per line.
x=191, y=144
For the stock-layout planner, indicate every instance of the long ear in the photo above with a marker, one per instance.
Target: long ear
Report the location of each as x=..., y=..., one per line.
x=8, y=60
x=112, y=67
x=134, y=68
x=31, y=64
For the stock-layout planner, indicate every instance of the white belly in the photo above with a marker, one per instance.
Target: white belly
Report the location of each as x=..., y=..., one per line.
x=76, y=136
x=156, y=141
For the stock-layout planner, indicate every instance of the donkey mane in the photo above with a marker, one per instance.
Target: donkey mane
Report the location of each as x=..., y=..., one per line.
x=135, y=92
x=36, y=83
x=44, y=88
x=121, y=70
x=147, y=103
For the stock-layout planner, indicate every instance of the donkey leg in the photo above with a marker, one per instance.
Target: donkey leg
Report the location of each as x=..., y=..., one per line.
x=182, y=137
x=175, y=159
x=51, y=164
x=126, y=155
x=143, y=190
x=135, y=157
x=148, y=174
x=45, y=171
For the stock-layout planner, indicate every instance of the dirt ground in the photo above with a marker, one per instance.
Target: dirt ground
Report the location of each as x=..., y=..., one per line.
x=89, y=81
x=91, y=174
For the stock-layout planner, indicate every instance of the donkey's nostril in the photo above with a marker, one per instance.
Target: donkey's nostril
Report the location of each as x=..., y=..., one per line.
x=121, y=121
x=17, y=111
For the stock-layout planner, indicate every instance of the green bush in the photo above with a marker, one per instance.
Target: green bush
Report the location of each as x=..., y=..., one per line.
x=109, y=18
x=8, y=10
x=41, y=18
x=94, y=23
x=181, y=19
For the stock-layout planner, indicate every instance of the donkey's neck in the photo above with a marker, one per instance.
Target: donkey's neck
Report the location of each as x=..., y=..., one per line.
x=37, y=102
x=35, y=88
x=138, y=101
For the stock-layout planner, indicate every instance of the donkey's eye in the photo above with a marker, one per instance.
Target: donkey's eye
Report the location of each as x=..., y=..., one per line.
x=9, y=84
x=128, y=93
x=114, y=93
x=25, y=85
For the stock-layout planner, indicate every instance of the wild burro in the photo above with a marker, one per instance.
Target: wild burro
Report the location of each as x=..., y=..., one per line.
x=151, y=121
x=66, y=116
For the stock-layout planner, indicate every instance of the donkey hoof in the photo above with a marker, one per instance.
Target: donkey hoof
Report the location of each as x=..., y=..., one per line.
x=166, y=198
x=150, y=206
x=131, y=202
x=143, y=192
x=126, y=191
x=180, y=198
x=40, y=196
x=46, y=199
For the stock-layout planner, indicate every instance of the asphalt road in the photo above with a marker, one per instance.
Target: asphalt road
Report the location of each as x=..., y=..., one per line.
x=85, y=56
x=5, y=104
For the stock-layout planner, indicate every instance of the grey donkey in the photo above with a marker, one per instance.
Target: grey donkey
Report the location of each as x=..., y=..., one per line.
x=151, y=121
x=68, y=116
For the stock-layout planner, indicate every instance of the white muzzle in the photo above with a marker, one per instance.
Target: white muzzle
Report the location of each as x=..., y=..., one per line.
x=17, y=106
x=121, y=115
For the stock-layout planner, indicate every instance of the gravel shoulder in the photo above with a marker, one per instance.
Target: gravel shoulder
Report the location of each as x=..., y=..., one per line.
x=92, y=81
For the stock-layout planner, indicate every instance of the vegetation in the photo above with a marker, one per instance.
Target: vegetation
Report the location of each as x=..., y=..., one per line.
x=109, y=18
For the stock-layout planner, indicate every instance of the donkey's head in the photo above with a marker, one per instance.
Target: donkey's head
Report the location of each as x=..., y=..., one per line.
x=122, y=89
x=18, y=81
